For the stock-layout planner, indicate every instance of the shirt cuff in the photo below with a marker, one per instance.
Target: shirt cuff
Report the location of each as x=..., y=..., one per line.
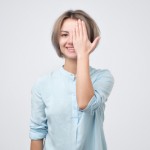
x=93, y=104
x=37, y=135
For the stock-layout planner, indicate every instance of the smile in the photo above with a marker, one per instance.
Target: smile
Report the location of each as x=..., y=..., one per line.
x=71, y=49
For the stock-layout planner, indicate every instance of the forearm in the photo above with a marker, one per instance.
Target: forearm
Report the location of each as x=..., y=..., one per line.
x=84, y=87
x=36, y=145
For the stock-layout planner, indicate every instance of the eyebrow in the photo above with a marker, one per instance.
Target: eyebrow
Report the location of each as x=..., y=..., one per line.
x=64, y=31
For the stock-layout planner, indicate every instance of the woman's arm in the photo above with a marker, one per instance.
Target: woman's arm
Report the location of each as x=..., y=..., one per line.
x=36, y=145
x=38, y=120
x=83, y=48
x=84, y=87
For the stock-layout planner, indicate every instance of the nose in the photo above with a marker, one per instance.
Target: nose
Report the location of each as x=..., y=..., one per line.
x=69, y=40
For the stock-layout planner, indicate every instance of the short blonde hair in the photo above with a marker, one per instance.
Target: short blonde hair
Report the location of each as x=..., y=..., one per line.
x=92, y=29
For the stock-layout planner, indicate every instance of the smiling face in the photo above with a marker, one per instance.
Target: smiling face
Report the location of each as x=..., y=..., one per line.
x=65, y=39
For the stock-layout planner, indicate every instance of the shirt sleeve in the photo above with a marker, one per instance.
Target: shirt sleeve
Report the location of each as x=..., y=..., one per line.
x=38, y=121
x=102, y=85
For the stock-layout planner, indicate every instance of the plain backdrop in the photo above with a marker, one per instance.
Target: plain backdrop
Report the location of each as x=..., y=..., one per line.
x=26, y=53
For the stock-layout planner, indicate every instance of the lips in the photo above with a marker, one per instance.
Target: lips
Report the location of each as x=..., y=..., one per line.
x=71, y=49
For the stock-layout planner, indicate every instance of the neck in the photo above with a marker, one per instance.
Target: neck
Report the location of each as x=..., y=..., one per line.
x=70, y=65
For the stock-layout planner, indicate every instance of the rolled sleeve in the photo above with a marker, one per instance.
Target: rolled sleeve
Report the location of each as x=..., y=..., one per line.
x=38, y=121
x=102, y=85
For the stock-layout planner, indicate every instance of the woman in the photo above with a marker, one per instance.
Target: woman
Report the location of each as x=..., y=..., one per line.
x=68, y=103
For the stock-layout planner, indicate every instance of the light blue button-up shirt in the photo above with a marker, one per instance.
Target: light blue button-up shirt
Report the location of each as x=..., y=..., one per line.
x=56, y=117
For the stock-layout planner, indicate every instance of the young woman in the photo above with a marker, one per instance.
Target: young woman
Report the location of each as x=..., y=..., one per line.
x=68, y=103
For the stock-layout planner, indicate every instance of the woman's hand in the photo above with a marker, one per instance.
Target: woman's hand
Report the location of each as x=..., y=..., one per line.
x=81, y=43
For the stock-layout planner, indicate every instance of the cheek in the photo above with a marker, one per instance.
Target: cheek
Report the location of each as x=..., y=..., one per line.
x=62, y=42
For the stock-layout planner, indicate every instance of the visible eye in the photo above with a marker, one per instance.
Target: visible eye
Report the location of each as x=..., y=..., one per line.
x=64, y=35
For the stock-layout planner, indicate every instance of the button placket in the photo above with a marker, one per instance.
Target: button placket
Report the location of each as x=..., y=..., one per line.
x=74, y=104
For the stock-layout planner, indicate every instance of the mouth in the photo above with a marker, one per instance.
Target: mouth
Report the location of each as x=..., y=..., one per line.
x=70, y=49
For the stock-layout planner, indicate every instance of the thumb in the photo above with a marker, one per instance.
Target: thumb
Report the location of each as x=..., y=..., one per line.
x=95, y=43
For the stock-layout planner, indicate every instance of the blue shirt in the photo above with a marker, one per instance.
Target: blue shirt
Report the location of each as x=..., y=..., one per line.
x=56, y=117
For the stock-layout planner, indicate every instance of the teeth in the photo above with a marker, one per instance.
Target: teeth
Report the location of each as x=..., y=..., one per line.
x=71, y=49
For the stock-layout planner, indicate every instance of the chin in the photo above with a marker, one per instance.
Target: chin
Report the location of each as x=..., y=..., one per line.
x=70, y=57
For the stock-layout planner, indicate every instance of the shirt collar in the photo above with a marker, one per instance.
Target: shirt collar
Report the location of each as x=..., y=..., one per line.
x=69, y=74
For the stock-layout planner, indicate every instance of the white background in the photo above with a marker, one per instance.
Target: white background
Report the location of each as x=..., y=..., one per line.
x=26, y=53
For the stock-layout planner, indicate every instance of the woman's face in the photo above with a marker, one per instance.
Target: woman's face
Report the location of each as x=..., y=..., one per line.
x=65, y=39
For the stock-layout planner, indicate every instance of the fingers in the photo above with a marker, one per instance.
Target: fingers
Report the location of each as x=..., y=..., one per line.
x=80, y=29
x=84, y=30
x=73, y=34
x=80, y=38
x=77, y=32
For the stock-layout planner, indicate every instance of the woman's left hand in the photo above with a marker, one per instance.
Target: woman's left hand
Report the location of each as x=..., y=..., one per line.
x=81, y=43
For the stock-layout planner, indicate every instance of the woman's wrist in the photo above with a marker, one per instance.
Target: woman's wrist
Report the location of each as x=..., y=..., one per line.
x=82, y=56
